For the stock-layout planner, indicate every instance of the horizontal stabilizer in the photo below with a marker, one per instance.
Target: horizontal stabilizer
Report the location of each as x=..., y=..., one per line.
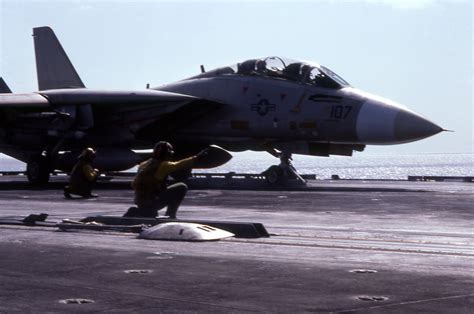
x=4, y=89
x=53, y=66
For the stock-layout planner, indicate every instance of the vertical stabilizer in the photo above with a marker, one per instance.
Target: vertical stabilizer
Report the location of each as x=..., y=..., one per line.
x=53, y=66
x=4, y=89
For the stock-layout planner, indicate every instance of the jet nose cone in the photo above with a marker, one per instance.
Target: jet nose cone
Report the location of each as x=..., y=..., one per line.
x=384, y=122
x=409, y=126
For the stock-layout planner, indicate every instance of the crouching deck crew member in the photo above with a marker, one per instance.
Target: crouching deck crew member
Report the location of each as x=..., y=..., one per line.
x=151, y=191
x=83, y=176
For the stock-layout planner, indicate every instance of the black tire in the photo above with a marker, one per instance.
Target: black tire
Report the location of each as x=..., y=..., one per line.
x=274, y=175
x=37, y=171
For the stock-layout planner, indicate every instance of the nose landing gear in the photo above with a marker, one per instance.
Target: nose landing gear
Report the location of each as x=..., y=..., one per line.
x=282, y=174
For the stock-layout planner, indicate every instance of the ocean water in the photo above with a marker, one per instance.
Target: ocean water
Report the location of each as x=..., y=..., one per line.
x=363, y=166
x=360, y=166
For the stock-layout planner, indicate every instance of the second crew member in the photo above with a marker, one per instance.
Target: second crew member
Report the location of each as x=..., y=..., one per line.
x=83, y=176
x=151, y=191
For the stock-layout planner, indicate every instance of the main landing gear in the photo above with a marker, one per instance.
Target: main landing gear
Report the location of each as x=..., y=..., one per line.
x=41, y=165
x=38, y=170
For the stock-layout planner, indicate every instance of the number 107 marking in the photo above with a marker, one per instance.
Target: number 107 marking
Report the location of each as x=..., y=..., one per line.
x=340, y=112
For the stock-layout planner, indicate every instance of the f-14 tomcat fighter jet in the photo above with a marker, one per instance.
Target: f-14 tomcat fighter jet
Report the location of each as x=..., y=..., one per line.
x=267, y=104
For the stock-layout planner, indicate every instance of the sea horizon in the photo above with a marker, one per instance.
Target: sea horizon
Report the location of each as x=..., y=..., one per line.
x=370, y=165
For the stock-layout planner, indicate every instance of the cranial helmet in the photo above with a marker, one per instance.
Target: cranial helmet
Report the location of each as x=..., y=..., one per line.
x=87, y=154
x=163, y=150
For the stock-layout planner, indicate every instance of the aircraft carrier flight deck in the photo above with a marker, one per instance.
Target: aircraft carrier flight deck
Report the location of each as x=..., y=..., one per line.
x=336, y=246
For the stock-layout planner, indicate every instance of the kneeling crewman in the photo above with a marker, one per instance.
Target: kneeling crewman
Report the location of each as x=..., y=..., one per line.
x=83, y=176
x=151, y=192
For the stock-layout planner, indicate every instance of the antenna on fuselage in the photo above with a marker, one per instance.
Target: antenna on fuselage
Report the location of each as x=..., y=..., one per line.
x=202, y=69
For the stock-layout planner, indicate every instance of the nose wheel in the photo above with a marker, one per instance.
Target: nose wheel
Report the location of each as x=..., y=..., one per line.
x=274, y=175
x=278, y=175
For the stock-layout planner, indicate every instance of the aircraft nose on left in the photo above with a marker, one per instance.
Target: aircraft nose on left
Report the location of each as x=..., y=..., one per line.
x=385, y=122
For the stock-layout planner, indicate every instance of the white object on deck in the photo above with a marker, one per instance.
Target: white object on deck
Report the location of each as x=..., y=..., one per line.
x=184, y=231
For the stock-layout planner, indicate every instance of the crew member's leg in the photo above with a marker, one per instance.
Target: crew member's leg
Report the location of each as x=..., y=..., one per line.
x=83, y=189
x=87, y=190
x=148, y=206
x=67, y=192
x=172, y=197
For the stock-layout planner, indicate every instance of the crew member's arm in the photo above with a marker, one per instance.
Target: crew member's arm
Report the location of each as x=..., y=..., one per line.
x=168, y=167
x=89, y=173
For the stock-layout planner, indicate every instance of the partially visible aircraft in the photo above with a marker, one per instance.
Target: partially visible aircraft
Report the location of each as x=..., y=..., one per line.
x=4, y=89
x=266, y=104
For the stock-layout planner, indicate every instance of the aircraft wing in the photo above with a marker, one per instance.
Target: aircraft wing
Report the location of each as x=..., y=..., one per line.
x=54, y=100
x=137, y=108
x=89, y=108
x=24, y=102
x=106, y=98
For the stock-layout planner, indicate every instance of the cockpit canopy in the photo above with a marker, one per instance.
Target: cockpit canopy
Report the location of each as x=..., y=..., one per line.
x=283, y=69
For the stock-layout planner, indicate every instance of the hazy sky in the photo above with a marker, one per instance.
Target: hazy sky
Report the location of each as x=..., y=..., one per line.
x=418, y=53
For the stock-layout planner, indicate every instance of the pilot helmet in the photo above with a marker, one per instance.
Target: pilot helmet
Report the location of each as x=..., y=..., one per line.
x=87, y=154
x=261, y=65
x=163, y=150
